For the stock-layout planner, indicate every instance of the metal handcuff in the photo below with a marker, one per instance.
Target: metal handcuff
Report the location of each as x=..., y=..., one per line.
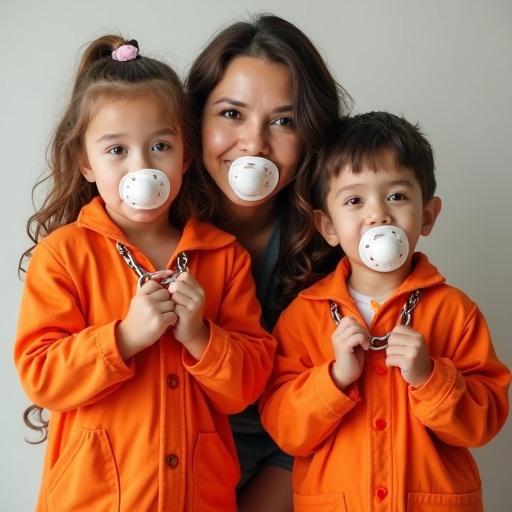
x=381, y=342
x=144, y=275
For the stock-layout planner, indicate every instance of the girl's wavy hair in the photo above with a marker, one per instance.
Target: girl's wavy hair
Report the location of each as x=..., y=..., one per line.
x=318, y=102
x=99, y=77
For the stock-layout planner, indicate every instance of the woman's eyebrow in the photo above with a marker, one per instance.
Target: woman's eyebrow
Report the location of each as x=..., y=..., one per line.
x=237, y=103
x=231, y=101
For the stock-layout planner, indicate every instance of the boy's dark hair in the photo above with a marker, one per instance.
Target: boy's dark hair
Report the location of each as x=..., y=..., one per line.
x=360, y=140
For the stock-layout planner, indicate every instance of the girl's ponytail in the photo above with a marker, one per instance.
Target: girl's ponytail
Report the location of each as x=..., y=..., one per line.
x=100, y=49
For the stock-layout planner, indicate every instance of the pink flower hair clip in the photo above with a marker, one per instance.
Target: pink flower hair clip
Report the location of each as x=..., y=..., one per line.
x=125, y=52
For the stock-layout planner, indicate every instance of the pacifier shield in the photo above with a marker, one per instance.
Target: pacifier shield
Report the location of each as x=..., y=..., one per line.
x=252, y=177
x=384, y=248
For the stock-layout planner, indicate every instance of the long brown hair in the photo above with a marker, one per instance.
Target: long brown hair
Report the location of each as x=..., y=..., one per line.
x=99, y=76
x=318, y=102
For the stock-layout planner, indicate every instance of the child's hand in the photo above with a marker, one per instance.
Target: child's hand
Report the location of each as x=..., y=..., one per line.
x=190, y=329
x=350, y=340
x=407, y=350
x=151, y=313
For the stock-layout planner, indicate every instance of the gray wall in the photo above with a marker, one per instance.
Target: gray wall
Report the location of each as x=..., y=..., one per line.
x=446, y=64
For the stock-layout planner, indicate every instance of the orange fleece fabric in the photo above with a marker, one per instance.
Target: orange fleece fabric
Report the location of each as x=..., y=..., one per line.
x=382, y=445
x=151, y=433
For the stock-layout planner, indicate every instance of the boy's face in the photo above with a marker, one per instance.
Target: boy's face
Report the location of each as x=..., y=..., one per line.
x=390, y=195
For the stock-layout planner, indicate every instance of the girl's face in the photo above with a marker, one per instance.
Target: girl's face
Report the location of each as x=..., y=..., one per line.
x=250, y=113
x=126, y=135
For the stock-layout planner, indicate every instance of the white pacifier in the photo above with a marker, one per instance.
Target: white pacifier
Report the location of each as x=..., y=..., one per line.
x=384, y=248
x=253, y=177
x=144, y=189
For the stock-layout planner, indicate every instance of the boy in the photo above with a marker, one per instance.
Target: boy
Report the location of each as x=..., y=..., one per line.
x=382, y=423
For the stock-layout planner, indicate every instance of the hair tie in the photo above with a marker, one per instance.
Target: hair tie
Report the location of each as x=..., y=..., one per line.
x=125, y=52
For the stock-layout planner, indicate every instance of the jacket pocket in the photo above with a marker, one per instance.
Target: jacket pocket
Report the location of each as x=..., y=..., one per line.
x=216, y=474
x=429, y=502
x=84, y=478
x=319, y=503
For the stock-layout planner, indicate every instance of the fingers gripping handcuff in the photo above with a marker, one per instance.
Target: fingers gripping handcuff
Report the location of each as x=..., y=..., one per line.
x=381, y=342
x=144, y=275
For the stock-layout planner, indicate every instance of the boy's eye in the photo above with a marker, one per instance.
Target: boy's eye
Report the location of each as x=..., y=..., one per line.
x=160, y=146
x=116, y=150
x=287, y=122
x=353, y=201
x=397, y=196
x=231, y=114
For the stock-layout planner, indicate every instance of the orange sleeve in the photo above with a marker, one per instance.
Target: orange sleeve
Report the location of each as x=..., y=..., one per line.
x=465, y=400
x=62, y=363
x=302, y=406
x=238, y=359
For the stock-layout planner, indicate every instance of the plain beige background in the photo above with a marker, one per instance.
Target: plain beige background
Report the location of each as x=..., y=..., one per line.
x=446, y=64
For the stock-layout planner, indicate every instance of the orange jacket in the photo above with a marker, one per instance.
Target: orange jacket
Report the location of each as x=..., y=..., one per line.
x=382, y=445
x=151, y=434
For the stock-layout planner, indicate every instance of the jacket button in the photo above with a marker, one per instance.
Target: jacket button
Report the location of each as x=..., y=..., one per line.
x=172, y=380
x=380, y=369
x=381, y=492
x=380, y=424
x=172, y=460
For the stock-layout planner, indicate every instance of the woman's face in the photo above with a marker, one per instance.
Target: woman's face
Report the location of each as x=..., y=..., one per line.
x=250, y=113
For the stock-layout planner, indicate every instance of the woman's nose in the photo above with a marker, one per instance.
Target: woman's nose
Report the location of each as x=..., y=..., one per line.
x=253, y=140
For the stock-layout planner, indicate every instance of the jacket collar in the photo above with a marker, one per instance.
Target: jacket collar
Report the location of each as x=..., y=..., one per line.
x=196, y=235
x=334, y=286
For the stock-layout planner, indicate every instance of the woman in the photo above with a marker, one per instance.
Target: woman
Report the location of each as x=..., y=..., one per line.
x=260, y=90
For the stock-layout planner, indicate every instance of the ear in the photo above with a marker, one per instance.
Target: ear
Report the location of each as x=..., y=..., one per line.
x=430, y=213
x=325, y=227
x=85, y=169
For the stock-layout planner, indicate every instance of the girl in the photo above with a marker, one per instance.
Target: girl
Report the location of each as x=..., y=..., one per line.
x=261, y=90
x=138, y=368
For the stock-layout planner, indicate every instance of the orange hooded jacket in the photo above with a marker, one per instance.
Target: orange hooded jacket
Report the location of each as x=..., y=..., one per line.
x=151, y=434
x=382, y=445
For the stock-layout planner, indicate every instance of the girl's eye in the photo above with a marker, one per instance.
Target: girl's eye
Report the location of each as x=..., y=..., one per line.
x=116, y=150
x=160, y=146
x=287, y=122
x=353, y=201
x=231, y=114
x=397, y=196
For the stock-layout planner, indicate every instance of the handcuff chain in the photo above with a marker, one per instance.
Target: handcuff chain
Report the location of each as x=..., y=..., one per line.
x=412, y=301
x=381, y=342
x=143, y=274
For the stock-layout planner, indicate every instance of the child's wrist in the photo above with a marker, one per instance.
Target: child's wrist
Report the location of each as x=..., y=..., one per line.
x=424, y=377
x=197, y=343
x=338, y=380
x=127, y=348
